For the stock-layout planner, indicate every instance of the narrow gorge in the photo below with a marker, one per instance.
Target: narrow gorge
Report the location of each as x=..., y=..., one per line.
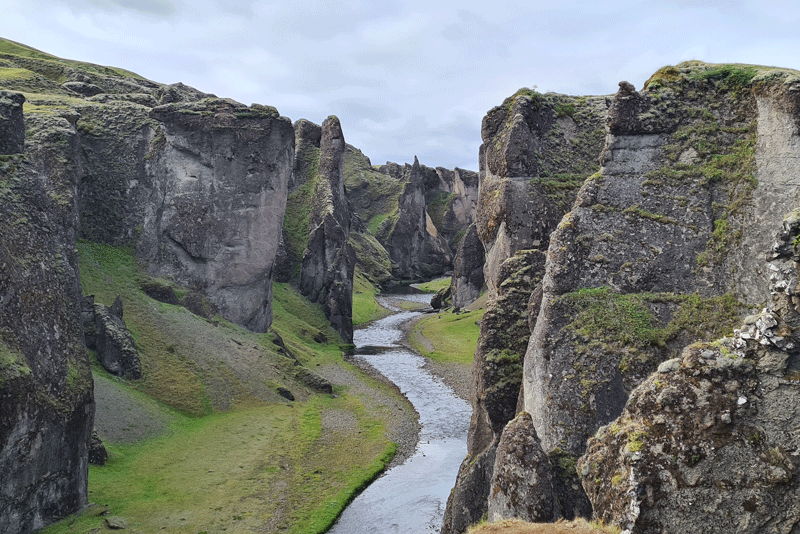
x=183, y=278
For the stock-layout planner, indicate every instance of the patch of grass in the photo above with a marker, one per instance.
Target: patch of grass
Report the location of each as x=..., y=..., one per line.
x=276, y=467
x=365, y=307
x=611, y=321
x=259, y=463
x=434, y=286
x=453, y=336
x=375, y=222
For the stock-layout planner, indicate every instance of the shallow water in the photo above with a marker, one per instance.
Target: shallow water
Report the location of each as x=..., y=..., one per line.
x=410, y=498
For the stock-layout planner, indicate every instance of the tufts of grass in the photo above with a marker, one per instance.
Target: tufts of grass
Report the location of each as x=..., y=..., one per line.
x=277, y=467
x=451, y=337
x=257, y=464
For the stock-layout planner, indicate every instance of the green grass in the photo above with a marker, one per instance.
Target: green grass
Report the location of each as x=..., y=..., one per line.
x=435, y=285
x=274, y=467
x=453, y=336
x=365, y=307
x=260, y=464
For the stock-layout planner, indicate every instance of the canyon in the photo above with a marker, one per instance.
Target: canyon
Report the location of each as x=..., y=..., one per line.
x=638, y=352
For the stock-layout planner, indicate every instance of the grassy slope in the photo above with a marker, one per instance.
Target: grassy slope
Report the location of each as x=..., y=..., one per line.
x=451, y=337
x=263, y=463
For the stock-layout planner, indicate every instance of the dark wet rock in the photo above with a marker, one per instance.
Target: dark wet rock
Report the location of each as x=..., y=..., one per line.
x=285, y=393
x=160, y=292
x=46, y=387
x=313, y=380
x=326, y=274
x=97, y=451
x=85, y=89
x=113, y=342
x=468, y=503
x=12, y=124
x=442, y=299
x=199, y=305
x=467, y=281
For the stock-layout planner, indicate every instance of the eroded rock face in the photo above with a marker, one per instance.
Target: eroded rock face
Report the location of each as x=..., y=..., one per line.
x=105, y=332
x=327, y=270
x=651, y=222
x=410, y=237
x=467, y=280
x=522, y=484
x=214, y=218
x=46, y=388
x=12, y=125
x=710, y=441
x=537, y=150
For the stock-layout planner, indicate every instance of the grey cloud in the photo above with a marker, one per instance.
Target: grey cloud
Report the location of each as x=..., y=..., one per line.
x=162, y=8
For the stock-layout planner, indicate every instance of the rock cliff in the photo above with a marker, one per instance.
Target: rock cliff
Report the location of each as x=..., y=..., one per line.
x=214, y=217
x=46, y=388
x=711, y=439
x=536, y=152
x=326, y=274
x=410, y=236
x=660, y=249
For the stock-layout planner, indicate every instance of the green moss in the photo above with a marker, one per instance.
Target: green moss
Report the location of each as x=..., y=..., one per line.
x=365, y=307
x=610, y=322
x=564, y=461
x=12, y=364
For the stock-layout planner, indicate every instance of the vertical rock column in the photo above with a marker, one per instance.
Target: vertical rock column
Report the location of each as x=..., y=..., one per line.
x=46, y=388
x=328, y=262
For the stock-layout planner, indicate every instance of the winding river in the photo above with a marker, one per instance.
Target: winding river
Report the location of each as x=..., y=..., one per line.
x=410, y=498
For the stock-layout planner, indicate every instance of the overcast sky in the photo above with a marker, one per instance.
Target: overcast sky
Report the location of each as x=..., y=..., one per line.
x=405, y=77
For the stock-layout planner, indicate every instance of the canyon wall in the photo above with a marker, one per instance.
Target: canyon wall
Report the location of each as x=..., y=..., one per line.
x=663, y=247
x=537, y=150
x=46, y=387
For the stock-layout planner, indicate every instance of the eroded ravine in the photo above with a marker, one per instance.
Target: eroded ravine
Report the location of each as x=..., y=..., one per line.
x=410, y=498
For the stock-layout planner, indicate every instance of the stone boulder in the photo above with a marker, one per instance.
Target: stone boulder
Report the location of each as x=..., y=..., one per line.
x=97, y=451
x=106, y=333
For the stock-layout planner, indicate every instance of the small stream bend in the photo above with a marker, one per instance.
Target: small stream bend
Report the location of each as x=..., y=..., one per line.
x=410, y=498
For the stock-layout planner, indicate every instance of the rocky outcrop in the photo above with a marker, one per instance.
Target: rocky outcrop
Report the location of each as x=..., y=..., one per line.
x=660, y=221
x=467, y=279
x=652, y=256
x=326, y=274
x=409, y=235
x=105, y=332
x=46, y=388
x=214, y=219
x=12, y=125
x=710, y=441
x=537, y=150
x=451, y=198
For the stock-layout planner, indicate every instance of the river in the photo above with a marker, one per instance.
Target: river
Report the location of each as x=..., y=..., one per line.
x=410, y=498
